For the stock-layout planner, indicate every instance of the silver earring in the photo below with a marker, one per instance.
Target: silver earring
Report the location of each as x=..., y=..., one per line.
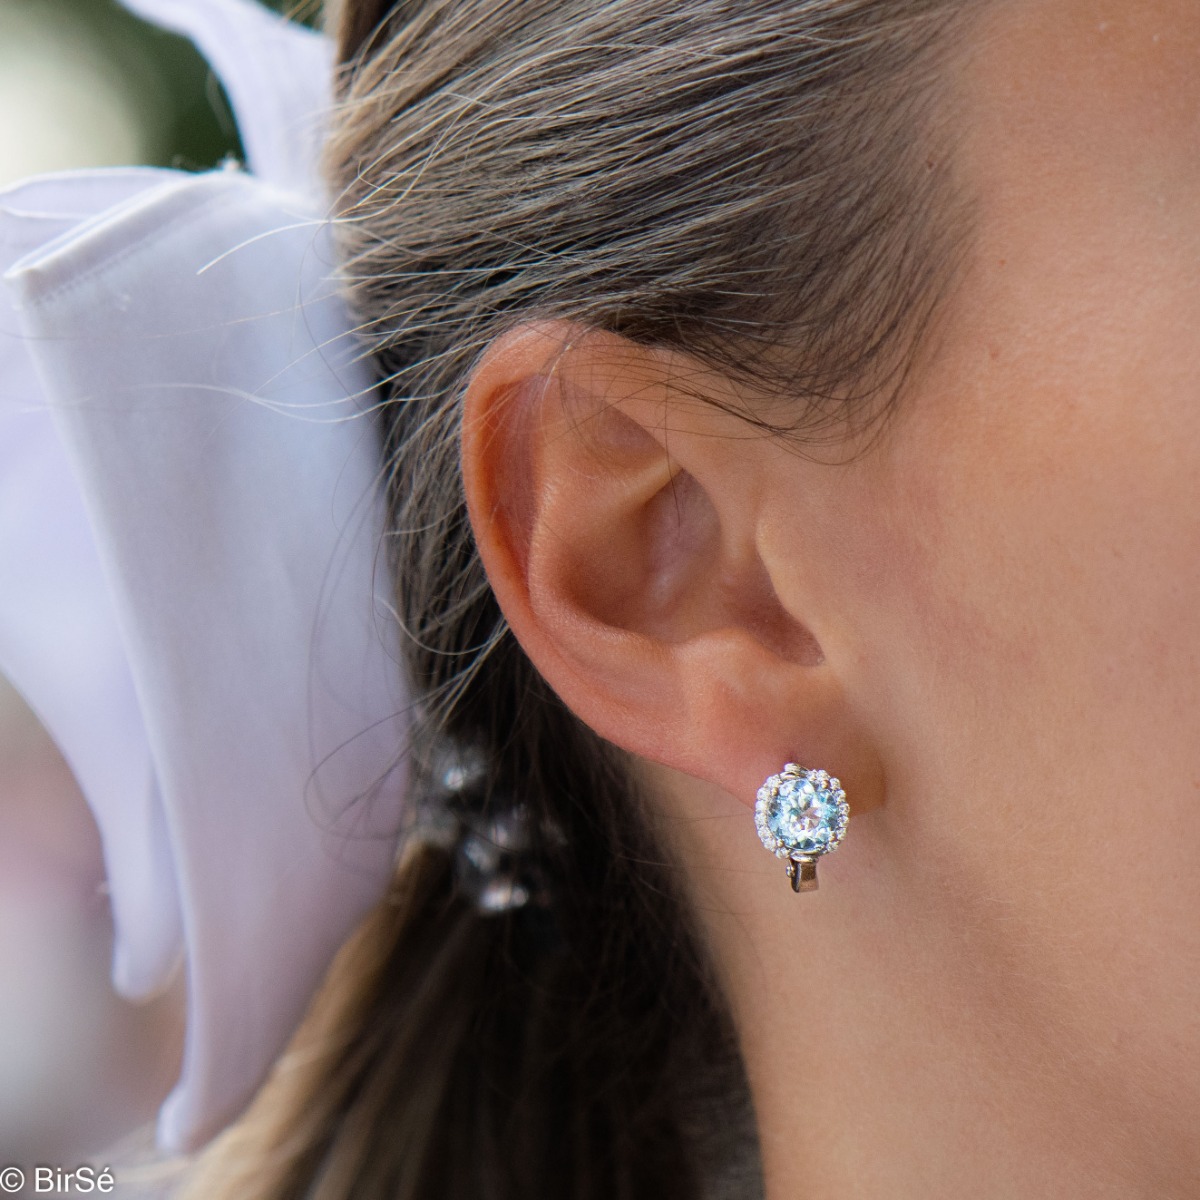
x=800, y=815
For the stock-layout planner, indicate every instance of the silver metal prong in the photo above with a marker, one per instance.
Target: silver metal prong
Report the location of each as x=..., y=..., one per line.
x=803, y=874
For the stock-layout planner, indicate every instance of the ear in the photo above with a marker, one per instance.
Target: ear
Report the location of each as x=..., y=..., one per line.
x=617, y=507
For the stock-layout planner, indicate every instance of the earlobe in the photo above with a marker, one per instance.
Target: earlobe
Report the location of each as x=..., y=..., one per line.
x=617, y=519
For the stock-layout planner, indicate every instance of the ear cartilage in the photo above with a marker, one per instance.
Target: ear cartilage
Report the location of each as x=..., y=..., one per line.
x=801, y=815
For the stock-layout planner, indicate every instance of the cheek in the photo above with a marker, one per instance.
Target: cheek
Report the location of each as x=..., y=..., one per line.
x=1026, y=577
x=1061, y=527
x=1015, y=570
x=1049, y=474
x=1059, y=549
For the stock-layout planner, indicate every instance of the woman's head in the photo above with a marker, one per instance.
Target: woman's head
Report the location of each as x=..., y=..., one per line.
x=804, y=381
x=751, y=201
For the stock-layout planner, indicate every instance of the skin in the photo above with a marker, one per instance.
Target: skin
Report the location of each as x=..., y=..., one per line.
x=987, y=623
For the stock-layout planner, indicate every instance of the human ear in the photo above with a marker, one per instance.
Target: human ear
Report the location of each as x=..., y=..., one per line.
x=617, y=504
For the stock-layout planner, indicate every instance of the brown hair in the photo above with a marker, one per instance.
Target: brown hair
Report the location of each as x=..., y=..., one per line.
x=759, y=185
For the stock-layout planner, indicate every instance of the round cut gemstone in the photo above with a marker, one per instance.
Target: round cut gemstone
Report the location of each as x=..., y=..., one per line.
x=801, y=813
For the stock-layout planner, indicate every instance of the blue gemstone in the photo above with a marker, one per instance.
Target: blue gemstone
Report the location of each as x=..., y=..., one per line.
x=804, y=816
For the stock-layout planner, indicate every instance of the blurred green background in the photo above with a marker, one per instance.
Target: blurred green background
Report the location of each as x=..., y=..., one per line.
x=83, y=83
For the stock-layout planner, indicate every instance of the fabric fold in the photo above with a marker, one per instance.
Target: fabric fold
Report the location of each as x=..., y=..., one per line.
x=192, y=597
x=278, y=75
x=59, y=641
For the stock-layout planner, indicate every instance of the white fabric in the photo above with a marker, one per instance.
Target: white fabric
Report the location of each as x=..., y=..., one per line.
x=59, y=642
x=192, y=596
x=278, y=76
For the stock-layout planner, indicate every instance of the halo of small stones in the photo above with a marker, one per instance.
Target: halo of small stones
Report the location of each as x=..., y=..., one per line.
x=770, y=790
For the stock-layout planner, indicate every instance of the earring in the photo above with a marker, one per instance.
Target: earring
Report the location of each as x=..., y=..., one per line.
x=800, y=815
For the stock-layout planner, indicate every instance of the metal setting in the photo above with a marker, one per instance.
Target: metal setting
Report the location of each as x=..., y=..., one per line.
x=803, y=874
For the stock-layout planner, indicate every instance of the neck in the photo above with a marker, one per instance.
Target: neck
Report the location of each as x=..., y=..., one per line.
x=901, y=1042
